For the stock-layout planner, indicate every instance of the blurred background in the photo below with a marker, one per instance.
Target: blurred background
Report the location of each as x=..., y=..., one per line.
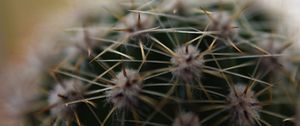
x=26, y=27
x=23, y=27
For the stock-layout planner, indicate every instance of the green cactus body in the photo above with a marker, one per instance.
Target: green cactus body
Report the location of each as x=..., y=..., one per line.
x=160, y=63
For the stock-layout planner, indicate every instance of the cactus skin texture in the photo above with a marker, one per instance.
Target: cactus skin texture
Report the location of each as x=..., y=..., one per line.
x=171, y=62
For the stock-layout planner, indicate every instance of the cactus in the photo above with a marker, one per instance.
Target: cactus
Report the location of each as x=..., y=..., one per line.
x=171, y=62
